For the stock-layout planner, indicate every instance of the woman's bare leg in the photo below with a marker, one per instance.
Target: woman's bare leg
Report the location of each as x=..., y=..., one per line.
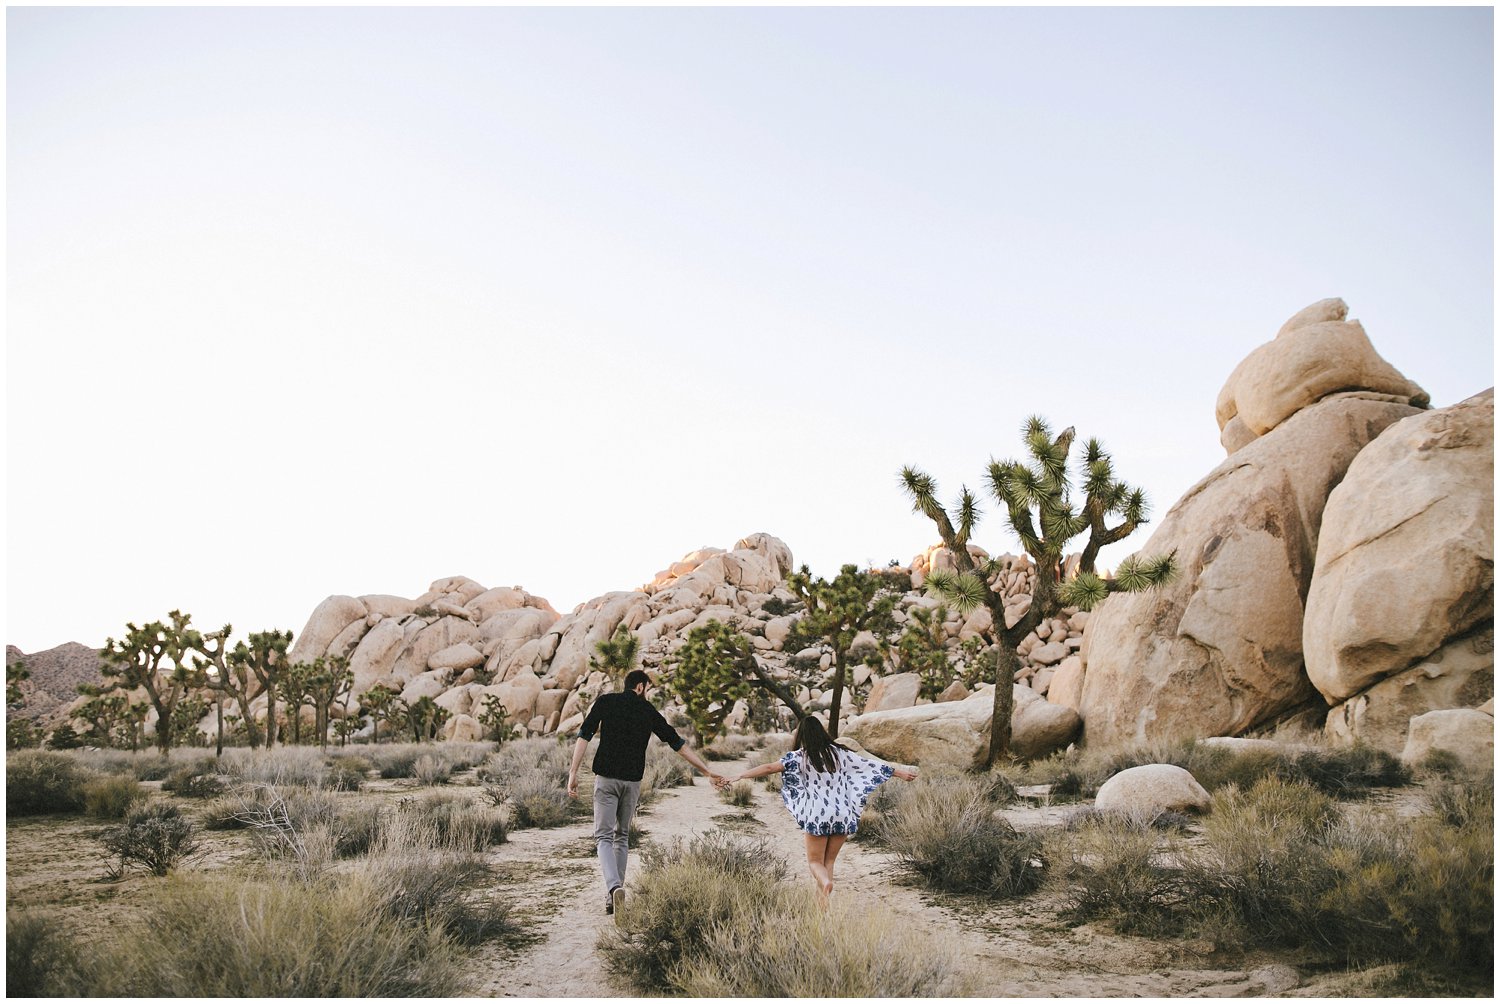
x=817, y=850
x=830, y=855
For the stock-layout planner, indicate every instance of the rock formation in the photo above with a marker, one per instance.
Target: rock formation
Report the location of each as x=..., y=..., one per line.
x=1400, y=611
x=1343, y=551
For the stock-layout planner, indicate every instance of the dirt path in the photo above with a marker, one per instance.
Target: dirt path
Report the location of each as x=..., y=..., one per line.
x=1014, y=949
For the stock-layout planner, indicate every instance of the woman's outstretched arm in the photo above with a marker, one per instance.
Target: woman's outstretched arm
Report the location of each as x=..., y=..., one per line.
x=774, y=767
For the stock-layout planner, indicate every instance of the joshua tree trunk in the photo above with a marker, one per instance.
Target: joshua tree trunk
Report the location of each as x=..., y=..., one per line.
x=838, y=695
x=219, y=718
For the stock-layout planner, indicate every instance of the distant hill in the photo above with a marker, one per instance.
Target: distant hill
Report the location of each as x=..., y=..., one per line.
x=55, y=676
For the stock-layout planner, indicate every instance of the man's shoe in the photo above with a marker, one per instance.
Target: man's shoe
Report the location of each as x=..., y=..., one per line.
x=616, y=900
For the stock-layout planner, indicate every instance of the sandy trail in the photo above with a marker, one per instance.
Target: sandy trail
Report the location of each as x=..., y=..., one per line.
x=1014, y=949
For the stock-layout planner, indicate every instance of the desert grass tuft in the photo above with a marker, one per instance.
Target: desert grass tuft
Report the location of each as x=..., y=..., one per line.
x=808, y=953
x=216, y=937
x=111, y=796
x=944, y=830
x=741, y=795
x=39, y=782
x=41, y=958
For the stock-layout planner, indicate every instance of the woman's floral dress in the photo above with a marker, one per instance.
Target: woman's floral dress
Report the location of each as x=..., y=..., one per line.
x=825, y=804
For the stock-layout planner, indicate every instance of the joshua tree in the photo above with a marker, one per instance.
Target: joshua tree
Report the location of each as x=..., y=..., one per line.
x=265, y=658
x=329, y=682
x=1037, y=496
x=426, y=717
x=616, y=655
x=495, y=718
x=384, y=705
x=716, y=665
x=922, y=649
x=227, y=679
x=153, y=658
x=837, y=611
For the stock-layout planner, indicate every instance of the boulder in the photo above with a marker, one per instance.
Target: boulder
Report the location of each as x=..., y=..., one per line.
x=428, y=684
x=896, y=691
x=430, y=640
x=956, y=691
x=518, y=694
x=1219, y=649
x=493, y=601
x=593, y=622
x=1049, y=654
x=1461, y=674
x=1466, y=733
x=1066, y=685
x=387, y=606
x=957, y=733
x=375, y=655
x=345, y=641
x=456, y=657
x=1317, y=353
x=1151, y=789
x=777, y=629
x=463, y=729
x=458, y=700
x=1407, y=550
x=328, y=619
x=771, y=548
x=550, y=702
x=458, y=589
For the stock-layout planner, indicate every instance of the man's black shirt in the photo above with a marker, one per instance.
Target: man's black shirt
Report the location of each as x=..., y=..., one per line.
x=627, y=721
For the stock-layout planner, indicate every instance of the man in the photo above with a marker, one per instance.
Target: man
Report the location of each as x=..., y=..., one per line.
x=625, y=721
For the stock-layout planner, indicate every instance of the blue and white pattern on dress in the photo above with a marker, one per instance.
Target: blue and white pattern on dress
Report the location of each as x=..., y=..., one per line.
x=827, y=804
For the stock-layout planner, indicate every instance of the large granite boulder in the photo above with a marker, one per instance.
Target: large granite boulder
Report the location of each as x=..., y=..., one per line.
x=1315, y=354
x=374, y=657
x=957, y=733
x=1407, y=551
x=898, y=690
x=1461, y=674
x=1219, y=649
x=327, y=622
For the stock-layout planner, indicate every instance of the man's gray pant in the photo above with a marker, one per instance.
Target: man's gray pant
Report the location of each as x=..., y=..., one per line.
x=614, y=807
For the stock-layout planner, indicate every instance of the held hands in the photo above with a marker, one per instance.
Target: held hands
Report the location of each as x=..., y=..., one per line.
x=719, y=781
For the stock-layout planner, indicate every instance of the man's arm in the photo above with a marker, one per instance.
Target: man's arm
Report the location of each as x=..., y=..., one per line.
x=578, y=750
x=686, y=752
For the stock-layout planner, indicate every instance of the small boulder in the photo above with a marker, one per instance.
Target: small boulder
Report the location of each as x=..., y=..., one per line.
x=1466, y=733
x=899, y=690
x=1151, y=789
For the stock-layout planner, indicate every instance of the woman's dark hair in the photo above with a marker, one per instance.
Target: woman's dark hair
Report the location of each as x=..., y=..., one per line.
x=813, y=739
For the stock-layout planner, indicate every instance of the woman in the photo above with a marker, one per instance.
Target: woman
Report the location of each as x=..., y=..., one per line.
x=825, y=787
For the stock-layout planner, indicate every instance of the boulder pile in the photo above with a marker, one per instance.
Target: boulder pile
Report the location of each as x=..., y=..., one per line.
x=1341, y=556
x=459, y=643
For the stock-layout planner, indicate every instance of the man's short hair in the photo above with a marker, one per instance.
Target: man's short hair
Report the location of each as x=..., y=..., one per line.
x=635, y=678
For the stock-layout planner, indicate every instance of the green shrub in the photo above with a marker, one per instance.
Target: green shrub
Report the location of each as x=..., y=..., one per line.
x=1422, y=891
x=38, y=781
x=151, y=767
x=1348, y=772
x=1117, y=870
x=217, y=937
x=685, y=892
x=395, y=761
x=155, y=837
x=195, y=780
x=41, y=958
x=809, y=953
x=944, y=830
x=111, y=797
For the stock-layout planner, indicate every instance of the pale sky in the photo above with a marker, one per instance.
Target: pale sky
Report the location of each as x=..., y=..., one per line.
x=304, y=302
